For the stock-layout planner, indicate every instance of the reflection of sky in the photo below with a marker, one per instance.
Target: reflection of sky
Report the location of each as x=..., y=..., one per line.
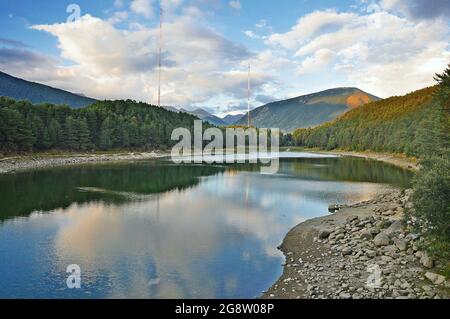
x=217, y=239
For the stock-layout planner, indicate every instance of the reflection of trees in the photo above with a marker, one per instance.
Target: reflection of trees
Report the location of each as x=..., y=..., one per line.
x=58, y=188
x=346, y=169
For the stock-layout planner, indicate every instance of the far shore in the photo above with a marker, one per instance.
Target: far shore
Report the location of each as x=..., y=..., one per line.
x=16, y=164
x=19, y=163
x=399, y=160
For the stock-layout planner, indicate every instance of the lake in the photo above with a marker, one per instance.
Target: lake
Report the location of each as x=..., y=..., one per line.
x=153, y=229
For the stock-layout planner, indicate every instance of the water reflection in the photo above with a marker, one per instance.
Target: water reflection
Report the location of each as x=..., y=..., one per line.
x=211, y=235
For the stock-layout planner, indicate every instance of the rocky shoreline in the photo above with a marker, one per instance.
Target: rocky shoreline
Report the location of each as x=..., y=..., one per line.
x=24, y=163
x=364, y=251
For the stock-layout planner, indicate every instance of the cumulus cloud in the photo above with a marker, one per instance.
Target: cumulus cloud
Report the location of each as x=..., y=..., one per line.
x=310, y=26
x=199, y=63
x=317, y=62
x=384, y=53
x=118, y=17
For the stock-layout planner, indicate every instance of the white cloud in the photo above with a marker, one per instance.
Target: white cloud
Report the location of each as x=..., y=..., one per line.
x=310, y=26
x=380, y=52
x=143, y=7
x=118, y=17
x=235, y=4
x=317, y=62
x=252, y=35
x=116, y=63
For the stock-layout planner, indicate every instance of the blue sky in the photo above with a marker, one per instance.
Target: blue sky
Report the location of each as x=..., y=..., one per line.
x=385, y=47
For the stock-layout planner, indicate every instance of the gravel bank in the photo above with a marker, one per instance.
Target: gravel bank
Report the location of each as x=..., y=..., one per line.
x=394, y=159
x=343, y=255
x=18, y=164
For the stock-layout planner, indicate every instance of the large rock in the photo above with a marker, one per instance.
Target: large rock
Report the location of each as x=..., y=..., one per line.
x=435, y=278
x=394, y=229
x=382, y=239
x=426, y=260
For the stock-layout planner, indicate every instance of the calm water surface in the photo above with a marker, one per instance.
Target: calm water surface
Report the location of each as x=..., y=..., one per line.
x=158, y=230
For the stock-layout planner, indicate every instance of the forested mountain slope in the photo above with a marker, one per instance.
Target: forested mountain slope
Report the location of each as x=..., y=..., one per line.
x=38, y=93
x=308, y=110
x=397, y=124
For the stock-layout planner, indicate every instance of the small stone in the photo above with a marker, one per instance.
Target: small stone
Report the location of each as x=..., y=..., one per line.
x=366, y=234
x=435, y=278
x=382, y=239
x=401, y=244
x=371, y=253
x=346, y=251
x=345, y=296
x=388, y=213
x=390, y=250
x=351, y=219
x=324, y=234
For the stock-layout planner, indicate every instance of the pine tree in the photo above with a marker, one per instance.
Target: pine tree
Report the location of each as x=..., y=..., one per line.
x=71, y=141
x=84, y=136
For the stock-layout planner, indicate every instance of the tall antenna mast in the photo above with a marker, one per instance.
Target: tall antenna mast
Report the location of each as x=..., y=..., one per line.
x=248, y=95
x=160, y=55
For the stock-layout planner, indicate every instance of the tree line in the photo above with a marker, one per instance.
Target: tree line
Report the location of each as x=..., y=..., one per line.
x=105, y=125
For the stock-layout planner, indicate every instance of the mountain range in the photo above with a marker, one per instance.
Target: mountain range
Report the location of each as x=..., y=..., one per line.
x=308, y=110
x=213, y=119
x=36, y=93
x=399, y=124
x=300, y=112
